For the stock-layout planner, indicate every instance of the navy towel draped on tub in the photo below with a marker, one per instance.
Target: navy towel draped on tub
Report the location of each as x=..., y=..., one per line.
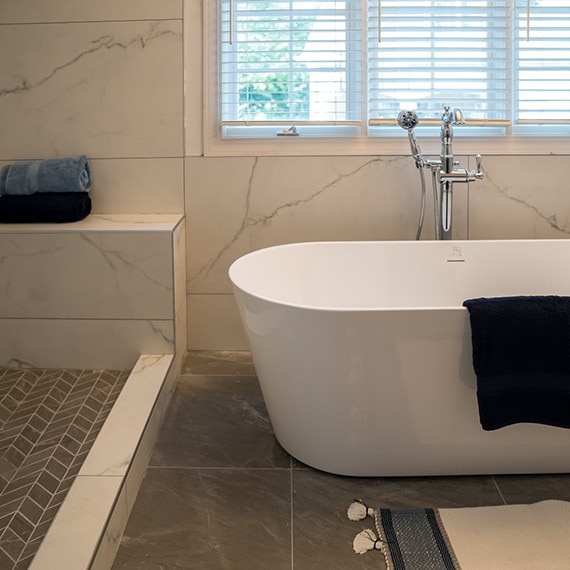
x=521, y=356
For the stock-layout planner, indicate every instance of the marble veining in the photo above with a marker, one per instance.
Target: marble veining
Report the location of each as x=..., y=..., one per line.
x=103, y=89
x=105, y=42
x=508, y=192
x=258, y=212
x=117, y=259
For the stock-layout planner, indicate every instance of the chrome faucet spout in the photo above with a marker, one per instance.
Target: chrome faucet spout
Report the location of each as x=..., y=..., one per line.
x=452, y=116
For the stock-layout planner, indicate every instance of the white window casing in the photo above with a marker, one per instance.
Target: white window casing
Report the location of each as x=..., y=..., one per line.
x=298, y=77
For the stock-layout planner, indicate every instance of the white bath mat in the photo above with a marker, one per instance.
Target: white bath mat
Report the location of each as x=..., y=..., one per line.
x=509, y=537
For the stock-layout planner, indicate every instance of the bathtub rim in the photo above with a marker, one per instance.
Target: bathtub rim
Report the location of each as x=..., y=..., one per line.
x=234, y=267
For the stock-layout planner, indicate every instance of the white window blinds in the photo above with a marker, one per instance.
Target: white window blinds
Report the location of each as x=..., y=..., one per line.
x=542, y=64
x=290, y=61
x=423, y=55
x=359, y=62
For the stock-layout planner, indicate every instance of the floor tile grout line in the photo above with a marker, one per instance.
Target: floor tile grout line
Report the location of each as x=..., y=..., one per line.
x=30, y=486
x=53, y=383
x=228, y=468
x=499, y=490
x=291, y=470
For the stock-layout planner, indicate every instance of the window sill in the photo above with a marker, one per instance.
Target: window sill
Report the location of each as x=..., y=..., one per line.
x=385, y=146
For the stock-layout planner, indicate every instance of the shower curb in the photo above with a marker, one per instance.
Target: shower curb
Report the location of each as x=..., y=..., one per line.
x=88, y=527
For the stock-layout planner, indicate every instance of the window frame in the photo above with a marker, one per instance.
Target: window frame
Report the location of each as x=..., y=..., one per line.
x=471, y=140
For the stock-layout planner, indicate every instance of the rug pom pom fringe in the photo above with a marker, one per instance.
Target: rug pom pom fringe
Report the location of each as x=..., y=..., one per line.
x=358, y=511
x=365, y=541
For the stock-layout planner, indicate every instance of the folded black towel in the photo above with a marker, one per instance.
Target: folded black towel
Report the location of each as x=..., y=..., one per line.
x=56, y=207
x=72, y=174
x=521, y=356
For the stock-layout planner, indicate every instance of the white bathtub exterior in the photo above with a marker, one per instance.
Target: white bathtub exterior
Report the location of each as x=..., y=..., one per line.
x=363, y=352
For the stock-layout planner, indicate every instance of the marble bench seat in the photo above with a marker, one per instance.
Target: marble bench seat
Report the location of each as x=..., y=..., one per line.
x=92, y=294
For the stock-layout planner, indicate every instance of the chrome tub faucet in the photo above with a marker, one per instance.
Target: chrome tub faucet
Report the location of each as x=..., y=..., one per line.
x=445, y=171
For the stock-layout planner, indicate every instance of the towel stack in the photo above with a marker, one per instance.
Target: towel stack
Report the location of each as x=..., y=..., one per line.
x=45, y=191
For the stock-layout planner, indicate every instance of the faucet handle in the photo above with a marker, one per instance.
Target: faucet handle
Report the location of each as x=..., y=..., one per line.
x=478, y=161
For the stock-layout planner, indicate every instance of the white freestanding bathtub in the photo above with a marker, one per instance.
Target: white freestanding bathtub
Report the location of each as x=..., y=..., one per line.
x=363, y=352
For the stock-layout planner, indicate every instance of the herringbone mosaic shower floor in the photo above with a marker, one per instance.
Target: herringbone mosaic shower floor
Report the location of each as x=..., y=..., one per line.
x=48, y=421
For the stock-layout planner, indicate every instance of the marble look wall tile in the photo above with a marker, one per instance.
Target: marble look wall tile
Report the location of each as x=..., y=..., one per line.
x=521, y=198
x=193, y=58
x=86, y=275
x=82, y=343
x=181, y=333
x=214, y=518
x=138, y=186
x=214, y=323
x=18, y=12
x=179, y=265
x=235, y=205
x=106, y=90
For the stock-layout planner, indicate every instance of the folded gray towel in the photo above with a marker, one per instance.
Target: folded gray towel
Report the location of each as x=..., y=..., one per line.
x=72, y=174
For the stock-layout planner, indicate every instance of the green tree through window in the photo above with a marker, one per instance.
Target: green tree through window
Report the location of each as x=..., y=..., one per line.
x=275, y=83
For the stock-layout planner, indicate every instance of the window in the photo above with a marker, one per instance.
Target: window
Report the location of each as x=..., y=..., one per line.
x=345, y=68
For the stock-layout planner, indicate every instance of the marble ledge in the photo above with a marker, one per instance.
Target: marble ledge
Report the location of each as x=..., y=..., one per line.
x=115, y=446
x=105, y=223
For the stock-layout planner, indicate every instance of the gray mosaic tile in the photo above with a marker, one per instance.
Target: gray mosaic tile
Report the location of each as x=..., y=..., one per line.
x=48, y=421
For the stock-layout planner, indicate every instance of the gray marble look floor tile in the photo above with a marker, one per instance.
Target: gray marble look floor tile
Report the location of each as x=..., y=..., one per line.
x=523, y=489
x=218, y=421
x=213, y=363
x=210, y=519
x=322, y=533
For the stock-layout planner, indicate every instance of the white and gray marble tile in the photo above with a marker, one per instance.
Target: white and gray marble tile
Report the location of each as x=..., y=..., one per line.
x=79, y=523
x=86, y=275
x=179, y=265
x=521, y=197
x=110, y=538
x=82, y=343
x=118, y=440
x=138, y=186
x=135, y=186
x=104, y=89
x=32, y=11
x=235, y=205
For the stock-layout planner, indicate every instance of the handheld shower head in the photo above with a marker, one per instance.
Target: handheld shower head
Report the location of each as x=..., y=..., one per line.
x=408, y=120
